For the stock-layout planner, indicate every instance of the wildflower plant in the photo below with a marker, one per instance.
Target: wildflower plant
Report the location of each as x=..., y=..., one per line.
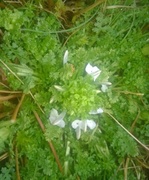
x=77, y=96
x=81, y=91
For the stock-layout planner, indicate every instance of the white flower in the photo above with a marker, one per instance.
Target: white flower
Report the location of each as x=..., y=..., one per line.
x=79, y=125
x=104, y=86
x=65, y=58
x=57, y=119
x=93, y=71
x=98, y=111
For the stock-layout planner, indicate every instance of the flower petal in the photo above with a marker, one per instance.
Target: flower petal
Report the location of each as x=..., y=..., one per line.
x=53, y=115
x=78, y=132
x=75, y=124
x=56, y=119
x=95, y=75
x=83, y=125
x=65, y=59
x=94, y=71
x=88, y=68
x=62, y=115
x=104, y=87
x=98, y=111
x=61, y=124
x=91, y=124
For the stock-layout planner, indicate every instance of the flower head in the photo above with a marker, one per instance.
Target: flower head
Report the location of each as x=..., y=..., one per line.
x=57, y=119
x=79, y=125
x=93, y=71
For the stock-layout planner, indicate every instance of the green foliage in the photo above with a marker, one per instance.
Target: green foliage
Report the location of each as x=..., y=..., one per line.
x=32, y=58
x=6, y=173
x=78, y=98
x=4, y=134
x=119, y=145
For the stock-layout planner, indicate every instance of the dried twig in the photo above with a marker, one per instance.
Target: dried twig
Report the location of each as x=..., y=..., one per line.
x=6, y=98
x=126, y=168
x=4, y=156
x=14, y=116
x=91, y=6
x=10, y=92
x=22, y=83
x=142, y=163
x=127, y=158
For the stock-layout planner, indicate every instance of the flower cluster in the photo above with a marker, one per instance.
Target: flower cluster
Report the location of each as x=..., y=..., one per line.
x=78, y=125
x=85, y=124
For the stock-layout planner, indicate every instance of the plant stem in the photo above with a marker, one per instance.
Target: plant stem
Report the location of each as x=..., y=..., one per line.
x=17, y=164
x=145, y=147
x=5, y=98
x=126, y=168
x=134, y=123
x=14, y=116
x=91, y=6
x=10, y=92
x=49, y=142
x=21, y=83
x=4, y=156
